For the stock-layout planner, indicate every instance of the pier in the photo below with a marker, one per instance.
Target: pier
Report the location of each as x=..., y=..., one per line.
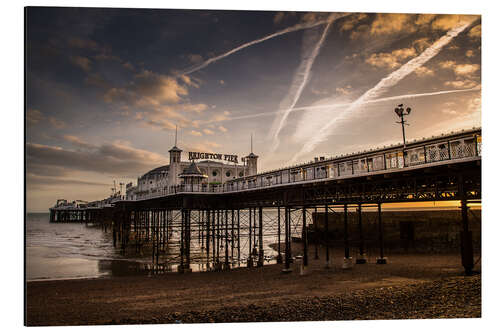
x=223, y=225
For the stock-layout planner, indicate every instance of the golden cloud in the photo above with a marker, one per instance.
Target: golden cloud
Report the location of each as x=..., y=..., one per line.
x=390, y=60
x=390, y=23
x=475, y=32
x=81, y=62
x=447, y=22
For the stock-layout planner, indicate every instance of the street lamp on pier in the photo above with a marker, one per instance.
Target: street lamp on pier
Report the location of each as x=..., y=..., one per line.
x=400, y=111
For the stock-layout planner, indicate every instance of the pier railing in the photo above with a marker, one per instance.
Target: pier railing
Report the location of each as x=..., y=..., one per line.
x=442, y=150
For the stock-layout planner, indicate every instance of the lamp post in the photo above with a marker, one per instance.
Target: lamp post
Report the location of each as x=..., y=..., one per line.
x=400, y=111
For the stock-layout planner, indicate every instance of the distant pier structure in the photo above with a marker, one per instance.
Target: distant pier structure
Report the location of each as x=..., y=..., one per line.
x=223, y=224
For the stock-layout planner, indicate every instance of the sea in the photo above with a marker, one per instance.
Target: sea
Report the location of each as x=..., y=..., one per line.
x=74, y=250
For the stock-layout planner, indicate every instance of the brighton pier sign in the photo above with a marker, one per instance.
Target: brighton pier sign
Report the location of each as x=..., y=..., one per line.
x=193, y=155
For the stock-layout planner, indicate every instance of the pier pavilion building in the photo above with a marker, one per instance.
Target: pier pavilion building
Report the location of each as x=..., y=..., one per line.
x=167, y=177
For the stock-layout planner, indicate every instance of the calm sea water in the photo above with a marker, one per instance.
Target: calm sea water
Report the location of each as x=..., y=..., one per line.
x=71, y=250
x=74, y=250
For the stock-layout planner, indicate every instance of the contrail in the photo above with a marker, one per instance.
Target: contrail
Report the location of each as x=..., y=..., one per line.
x=257, y=41
x=337, y=105
x=299, y=82
x=386, y=83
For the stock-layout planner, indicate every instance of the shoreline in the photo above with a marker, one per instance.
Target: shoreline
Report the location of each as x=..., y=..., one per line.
x=263, y=294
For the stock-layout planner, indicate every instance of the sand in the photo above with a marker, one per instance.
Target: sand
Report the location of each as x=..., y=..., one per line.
x=409, y=286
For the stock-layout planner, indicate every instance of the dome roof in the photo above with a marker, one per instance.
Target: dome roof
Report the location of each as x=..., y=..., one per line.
x=156, y=171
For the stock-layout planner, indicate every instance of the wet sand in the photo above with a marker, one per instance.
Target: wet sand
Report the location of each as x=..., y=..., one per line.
x=409, y=286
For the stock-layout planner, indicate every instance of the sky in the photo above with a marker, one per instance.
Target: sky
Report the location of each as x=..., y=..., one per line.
x=105, y=88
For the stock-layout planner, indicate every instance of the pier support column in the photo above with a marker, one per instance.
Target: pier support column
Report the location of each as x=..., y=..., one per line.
x=328, y=263
x=207, y=239
x=238, y=231
x=381, y=259
x=305, y=257
x=279, y=258
x=180, y=268
x=316, y=234
x=465, y=234
x=288, y=255
x=250, y=258
x=187, y=267
x=361, y=259
x=232, y=236
x=217, y=260
x=466, y=240
x=347, y=257
x=214, y=243
x=260, y=263
x=226, y=247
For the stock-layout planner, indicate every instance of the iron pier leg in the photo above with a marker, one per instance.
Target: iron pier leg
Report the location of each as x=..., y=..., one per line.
x=316, y=232
x=305, y=259
x=362, y=256
x=238, y=224
x=347, y=257
x=232, y=235
x=465, y=234
x=328, y=263
x=382, y=259
x=288, y=256
x=250, y=258
x=187, y=267
x=260, y=263
x=218, y=239
x=207, y=239
x=279, y=259
x=226, y=248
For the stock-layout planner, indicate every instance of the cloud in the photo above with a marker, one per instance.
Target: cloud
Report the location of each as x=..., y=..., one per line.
x=461, y=84
x=390, y=60
x=460, y=69
x=195, y=58
x=344, y=90
x=222, y=129
x=149, y=89
x=113, y=159
x=59, y=124
x=466, y=69
x=95, y=79
x=81, y=62
x=352, y=21
x=312, y=42
x=424, y=71
x=80, y=43
x=205, y=146
x=447, y=64
x=446, y=22
x=423, y=19
x=208, y=132
x=421, y=44
x=310, y=19
x=390, y=23
x=475, y=32
x=319, y=134
x=78, y=142
x=34, y=116
x=281, y=17
x=195, y=133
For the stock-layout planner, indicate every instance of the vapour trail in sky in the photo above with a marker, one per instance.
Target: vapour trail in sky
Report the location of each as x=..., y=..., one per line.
x=338, y=105
x=300, y=79
x=297, y=27
x=317, y=136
